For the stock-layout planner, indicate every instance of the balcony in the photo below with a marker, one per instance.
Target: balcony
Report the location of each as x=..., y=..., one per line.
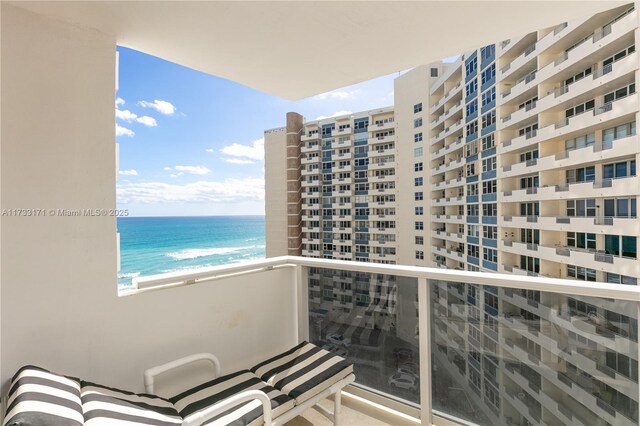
x=385, y=125
x=598, y=225
x=381, y=139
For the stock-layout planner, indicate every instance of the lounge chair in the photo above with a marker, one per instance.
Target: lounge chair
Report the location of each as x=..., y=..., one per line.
x=274, y=392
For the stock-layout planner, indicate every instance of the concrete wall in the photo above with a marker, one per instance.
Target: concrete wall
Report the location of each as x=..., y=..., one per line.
x=59, y=306
x=275, y=176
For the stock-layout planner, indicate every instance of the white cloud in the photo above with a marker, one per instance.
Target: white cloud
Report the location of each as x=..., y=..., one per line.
x=227, y=191
x=163, y=107
x=175, y=175
x=335, y=114
x=255, y=151
x=238, y=161
x=119, y=101
x=337, y=94
x=210, y=150
x=194, y=170
x=147, y=121
x=126, y=115
x=123, y=131
x=130, y=172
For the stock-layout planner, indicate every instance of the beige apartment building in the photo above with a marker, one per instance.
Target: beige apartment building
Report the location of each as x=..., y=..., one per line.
x=519, y=157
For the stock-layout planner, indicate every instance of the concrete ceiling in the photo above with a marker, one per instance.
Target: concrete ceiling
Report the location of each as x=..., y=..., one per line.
x=299, y=49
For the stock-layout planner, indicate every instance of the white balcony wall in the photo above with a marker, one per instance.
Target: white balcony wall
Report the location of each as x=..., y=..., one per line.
x=60, y=307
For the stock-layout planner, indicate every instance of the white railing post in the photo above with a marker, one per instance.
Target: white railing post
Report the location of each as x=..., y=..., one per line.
x=301, y=286
x=424, y=319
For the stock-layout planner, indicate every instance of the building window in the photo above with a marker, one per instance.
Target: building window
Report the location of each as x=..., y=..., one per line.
x=473, y=250
x=582, y=174
x=417, y=152
x=418, y=167
x=581, y=240
x=489, y=164
x=618, y=132
x=488, y=74
x=434, y=72
x=580, y=109
x=418, y=181
x=472, y=189
x=620, y=279
x=531, y=264
x=487, y=52
x=417, y=108
x=530, y=209
x=490, y=232
x=490, y=255
x=488, y=119
x=471, y=169
x=489, y=186
x=419, y=196
x=528, y=131
x=419, y=225
x=419, y=211
x=489, y=209
x=471, y=149
x=419, y=254
x=419, y=240
x=620, y=93
x=473, y=230
x=529, y=155
x=472, y=127
x=619, y=170
x=472, y=107
x=620, y=207
x=472, y=210
x=417, y=122
x=581, y=273
x=621, y=245
x=471, y=87
x=417, y=137
x=581, y=208
x=529, y=182
x=578, y=77
x=471, y=66
x=489, y=96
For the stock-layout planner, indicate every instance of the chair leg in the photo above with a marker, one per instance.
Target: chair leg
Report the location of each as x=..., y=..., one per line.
x=337, y=408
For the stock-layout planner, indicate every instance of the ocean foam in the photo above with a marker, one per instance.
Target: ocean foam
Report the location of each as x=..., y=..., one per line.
x=196, y=253
x=129, y=275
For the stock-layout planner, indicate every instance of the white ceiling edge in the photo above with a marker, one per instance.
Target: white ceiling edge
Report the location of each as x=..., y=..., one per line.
x=299, y=49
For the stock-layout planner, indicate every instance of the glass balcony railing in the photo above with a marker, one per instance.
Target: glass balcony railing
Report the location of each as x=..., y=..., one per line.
x=482, y=348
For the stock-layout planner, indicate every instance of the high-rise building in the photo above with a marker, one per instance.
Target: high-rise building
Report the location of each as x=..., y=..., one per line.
x=519, y=157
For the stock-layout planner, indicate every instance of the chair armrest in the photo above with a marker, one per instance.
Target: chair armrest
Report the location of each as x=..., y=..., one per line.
x=151, y=373
x=222, y=406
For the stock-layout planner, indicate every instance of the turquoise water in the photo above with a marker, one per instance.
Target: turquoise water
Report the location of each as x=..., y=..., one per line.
x=156, y=245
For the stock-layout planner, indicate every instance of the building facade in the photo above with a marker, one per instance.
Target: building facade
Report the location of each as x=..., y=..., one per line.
x=519, y=157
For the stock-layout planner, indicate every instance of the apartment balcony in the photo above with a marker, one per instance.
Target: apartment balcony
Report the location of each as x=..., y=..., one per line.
x=505, y=46
x=453, y=145
x=447, y=218
x=520, y=86
x=445, y=184
x=603, y=188
x=564, y=159
x=607, y=76
x=377, y=152
x=343, y=143
x=597, y=225
x=308, y=137
x=381, y=165
x=451, y=94
x=382, y=126
x=313, y=148
x=381, y=139
x=453, y=70
x=591, y=45
x=526, y=58
x=310, y=160
x=309, y=172
x=448, y=201
x=450, y=113
x=343, y=132
x=448, y=131
x=449, y=236
x=337, y=156
x=450, y=165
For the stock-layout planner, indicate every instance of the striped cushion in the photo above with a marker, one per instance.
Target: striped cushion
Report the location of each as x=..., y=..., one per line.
x=303, y=371
x=38, y=397
x=207, y=394
x=108, y=406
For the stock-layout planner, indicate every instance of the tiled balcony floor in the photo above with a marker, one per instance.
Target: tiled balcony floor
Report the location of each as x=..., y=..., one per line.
x=354, y=413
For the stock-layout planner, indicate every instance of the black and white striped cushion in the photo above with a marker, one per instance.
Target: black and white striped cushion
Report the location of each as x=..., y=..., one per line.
x=207, y=394
x=38, y=397
x=303, y=371
x=104, y=406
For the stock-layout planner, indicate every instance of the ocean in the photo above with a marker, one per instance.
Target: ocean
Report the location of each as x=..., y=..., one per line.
x=156, y=245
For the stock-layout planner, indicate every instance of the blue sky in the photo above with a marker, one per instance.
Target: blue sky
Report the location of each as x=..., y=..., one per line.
x=191, y=143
